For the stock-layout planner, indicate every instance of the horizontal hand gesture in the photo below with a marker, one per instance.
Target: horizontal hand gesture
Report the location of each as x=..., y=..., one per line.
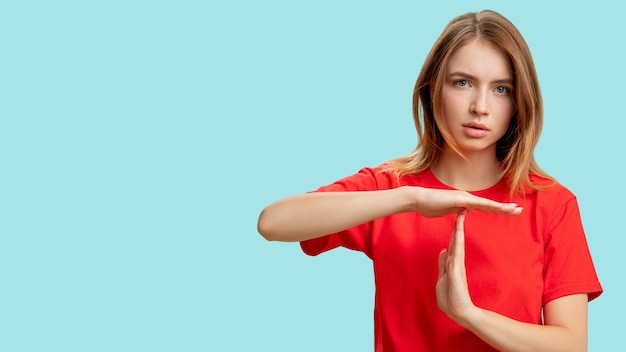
x=432, y=202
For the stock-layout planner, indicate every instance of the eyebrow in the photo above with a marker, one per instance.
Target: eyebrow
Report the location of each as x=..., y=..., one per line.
x=468, y=76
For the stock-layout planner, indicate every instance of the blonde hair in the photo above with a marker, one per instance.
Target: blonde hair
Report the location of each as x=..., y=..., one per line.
x=515, y=149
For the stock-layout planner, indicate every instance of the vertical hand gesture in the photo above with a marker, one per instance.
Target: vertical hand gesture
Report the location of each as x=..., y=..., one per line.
x=452, y=291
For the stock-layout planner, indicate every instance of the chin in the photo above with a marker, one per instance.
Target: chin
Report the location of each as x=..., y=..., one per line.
x=468, y=148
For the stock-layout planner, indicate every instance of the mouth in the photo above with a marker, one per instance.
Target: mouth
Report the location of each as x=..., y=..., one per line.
x=475, y=130
x=476, y=126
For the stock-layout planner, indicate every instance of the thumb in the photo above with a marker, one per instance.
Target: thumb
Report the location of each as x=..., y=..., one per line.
x=443, y=257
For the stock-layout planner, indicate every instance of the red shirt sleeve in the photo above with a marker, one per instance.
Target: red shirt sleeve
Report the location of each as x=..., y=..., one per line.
x=568, y=267
x=357, y=238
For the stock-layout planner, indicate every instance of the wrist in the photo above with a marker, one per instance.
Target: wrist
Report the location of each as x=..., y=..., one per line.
x=410, y=196
x=473, y=317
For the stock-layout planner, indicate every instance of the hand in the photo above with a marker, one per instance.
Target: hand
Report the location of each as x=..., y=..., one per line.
x=432, y=202
x=452, y=291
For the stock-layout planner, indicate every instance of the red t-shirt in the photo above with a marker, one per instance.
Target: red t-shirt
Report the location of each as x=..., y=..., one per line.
x=515, y=264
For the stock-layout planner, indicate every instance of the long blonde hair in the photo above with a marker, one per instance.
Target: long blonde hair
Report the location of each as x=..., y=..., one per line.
x=515, y=149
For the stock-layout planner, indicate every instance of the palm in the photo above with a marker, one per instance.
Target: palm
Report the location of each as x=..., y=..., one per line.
x=452, y=291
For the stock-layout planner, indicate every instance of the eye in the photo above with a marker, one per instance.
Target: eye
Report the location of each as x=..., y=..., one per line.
x=461, y=82
x=503, y=90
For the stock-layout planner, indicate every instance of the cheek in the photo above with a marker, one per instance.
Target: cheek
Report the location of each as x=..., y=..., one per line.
x=505, y=123
x=450, y=102
x=505, y=110
x=502, y=113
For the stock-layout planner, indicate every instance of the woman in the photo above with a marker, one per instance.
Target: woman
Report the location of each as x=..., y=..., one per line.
x=474, y=247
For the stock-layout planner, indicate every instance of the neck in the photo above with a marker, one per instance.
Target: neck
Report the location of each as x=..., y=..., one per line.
x=475, y=172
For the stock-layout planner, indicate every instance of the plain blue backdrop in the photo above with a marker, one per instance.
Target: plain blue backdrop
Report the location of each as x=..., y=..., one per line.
x=139, y=140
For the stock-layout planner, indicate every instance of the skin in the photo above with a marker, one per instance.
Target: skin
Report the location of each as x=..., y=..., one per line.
x=306, y=216
x=475, y=92
x=476, y=98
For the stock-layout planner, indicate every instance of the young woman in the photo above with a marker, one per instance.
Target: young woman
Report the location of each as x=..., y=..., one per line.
x=474, y=247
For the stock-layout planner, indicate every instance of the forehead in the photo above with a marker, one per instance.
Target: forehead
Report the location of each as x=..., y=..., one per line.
x=479, y=59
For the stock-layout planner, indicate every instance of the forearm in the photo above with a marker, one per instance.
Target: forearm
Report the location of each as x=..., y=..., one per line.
x=312, y=215
x=508, y=335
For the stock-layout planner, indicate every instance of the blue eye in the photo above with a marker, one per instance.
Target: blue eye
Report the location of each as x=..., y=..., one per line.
x=461, y=82
x=503, y=90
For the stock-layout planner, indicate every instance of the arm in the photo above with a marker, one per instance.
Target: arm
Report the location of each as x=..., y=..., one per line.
x=565, y=329
x=312, y=215
x=565, y=326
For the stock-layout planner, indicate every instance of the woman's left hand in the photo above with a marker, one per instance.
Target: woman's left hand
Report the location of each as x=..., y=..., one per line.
x=452, y=291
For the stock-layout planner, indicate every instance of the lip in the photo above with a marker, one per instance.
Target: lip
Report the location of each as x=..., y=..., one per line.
x=476, y=125
x=475, y=130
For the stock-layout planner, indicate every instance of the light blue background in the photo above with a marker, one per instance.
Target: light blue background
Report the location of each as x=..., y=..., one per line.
x=139, y=140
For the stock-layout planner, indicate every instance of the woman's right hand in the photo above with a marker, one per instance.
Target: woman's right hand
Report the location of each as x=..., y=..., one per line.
x=311, y=215
x=432, y=202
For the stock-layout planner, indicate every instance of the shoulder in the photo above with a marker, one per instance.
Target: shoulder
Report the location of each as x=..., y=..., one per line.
x=553, y=201
x=371, y=179
x=548, y=189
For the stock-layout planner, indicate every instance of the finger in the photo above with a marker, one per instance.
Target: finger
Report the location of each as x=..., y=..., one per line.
x=452, y=243
x=510, y=209
x=484, y=204
x=443, y=257
x=457, y=240
x=459, y=236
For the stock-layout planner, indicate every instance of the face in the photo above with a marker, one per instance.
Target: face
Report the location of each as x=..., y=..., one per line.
x=477, y=99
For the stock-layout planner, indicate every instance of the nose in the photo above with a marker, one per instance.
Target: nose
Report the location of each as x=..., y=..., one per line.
x=479, y=105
